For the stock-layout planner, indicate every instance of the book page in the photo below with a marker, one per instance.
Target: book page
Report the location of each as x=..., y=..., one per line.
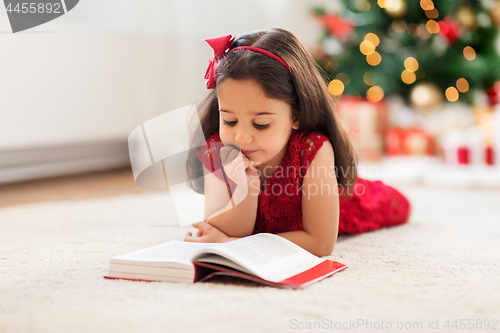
x=268, y=256
x=164, y=254
x=217, y=259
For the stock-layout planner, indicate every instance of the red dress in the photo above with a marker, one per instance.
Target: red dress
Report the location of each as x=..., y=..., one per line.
x=373, y=204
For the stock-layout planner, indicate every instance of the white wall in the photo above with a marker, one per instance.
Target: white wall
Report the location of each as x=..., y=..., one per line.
x=96, y=73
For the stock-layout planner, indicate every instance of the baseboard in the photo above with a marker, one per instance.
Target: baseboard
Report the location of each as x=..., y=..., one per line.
x=41, y=162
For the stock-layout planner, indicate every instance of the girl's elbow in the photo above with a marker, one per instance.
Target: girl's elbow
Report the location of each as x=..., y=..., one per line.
x=240, y=230
x=327, y=249
x=241, y=233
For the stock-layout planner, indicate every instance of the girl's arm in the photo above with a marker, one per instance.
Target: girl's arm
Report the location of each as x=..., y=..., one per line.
x=320, y=210
x=320, y=206
x=220, y=212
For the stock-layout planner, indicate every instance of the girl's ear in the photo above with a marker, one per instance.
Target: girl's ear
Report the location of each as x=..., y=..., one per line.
x=296, y=122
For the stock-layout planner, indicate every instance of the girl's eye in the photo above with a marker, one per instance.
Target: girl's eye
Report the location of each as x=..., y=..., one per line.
x=233, y=123
x=229, y=123
x=261, y=127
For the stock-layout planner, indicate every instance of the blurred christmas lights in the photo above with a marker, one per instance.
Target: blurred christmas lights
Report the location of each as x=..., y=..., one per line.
x=375, y=94
x=451, y=94
x=336, y=87
x=462, y=85
x=469, y=53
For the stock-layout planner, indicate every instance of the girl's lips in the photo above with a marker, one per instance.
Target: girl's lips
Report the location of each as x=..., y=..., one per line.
x=246, y=152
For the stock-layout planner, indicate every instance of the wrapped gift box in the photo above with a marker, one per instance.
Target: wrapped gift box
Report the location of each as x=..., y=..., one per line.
x=366, y=124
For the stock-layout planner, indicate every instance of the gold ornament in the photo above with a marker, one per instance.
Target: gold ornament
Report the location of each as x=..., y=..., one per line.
x=396, y=8
x=425, y=96
x=495, y=14
x=466, y=18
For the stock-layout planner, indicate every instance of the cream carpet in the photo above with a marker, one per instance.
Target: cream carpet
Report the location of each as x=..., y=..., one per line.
x=443, y=265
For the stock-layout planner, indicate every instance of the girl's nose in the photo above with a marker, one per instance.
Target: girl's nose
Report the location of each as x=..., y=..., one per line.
x=243, y=136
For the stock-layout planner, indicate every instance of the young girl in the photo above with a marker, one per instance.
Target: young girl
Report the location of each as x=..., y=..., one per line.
x=294, y=173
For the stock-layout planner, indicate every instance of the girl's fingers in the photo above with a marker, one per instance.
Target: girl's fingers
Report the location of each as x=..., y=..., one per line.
x=202, y=226
x=228, y=154
x=249, y=164
x=224, y=151
x=233, y=155
x=189, y=238
x=239, y=169
x=192, y=239
x=235, y=170
x=229, y=167
x=243, y=165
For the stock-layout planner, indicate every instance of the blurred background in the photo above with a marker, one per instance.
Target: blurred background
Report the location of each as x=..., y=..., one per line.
x=73, y=89
x=418, y=85
x=417, y=82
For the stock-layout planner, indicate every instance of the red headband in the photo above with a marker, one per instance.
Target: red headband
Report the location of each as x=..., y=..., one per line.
x=220, y=45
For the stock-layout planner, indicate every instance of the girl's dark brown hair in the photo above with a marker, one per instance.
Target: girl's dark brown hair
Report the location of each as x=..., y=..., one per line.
x=303, y=88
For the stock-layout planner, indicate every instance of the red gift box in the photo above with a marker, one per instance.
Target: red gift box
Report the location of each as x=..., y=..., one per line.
x=409, y=141
x=366, y=123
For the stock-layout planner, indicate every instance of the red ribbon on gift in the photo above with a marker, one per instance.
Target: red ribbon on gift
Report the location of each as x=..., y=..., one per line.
x=490, y=156
x=463, y=155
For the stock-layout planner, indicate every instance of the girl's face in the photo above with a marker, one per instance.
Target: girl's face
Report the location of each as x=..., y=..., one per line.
x=260, y=126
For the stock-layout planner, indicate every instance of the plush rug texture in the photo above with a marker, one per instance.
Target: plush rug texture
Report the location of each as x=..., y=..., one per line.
x=442, y=268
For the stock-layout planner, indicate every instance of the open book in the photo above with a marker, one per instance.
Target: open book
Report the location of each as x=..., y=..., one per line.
x=265, y=258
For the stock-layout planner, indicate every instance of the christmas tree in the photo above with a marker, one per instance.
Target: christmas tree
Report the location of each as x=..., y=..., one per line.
x=423, y=50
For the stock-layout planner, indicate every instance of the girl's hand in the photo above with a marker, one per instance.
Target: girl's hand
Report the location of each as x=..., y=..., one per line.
x=239, y=168
x=206, y=233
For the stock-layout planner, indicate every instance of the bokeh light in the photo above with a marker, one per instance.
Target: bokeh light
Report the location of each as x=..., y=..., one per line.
x=432, y=26
x=397, y=8
x=344, y=78
x=462, y=85
x=408, y=77
x=384, y=3
x=427, y=4
x=399, y=26
x=374, y=59
x=469, y=53
x=366, y=47
x=336, y=87
x=363, y=5
x=411, y=64
x=432, y=14
x=413, y=30
x=375, y=94
x=370, y=78
x=451, y=94
x=372, y=38
x=424, y=33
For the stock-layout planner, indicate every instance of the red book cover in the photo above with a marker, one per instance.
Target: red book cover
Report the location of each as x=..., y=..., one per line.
x=205, y=271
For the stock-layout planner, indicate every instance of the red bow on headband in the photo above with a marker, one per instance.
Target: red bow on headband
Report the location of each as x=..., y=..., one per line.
x=220, y=45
